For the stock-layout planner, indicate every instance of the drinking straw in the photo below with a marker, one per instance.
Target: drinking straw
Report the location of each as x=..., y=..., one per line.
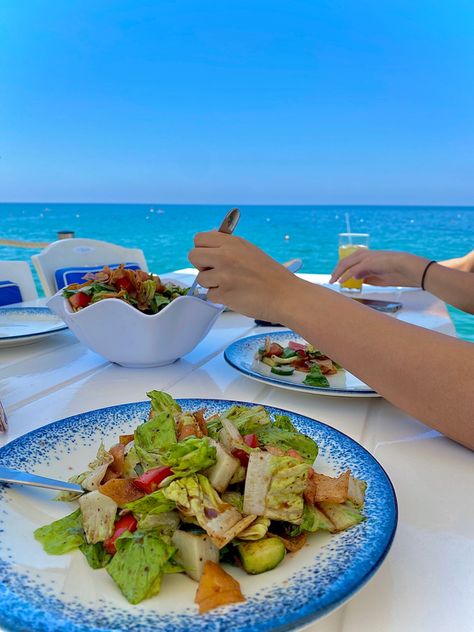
x=348, y=226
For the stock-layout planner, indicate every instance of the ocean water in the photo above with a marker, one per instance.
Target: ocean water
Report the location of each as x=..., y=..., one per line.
x=165, y=232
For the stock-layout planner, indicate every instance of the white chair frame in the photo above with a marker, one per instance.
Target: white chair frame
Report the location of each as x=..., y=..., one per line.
x=81, y=252
x=19, y=272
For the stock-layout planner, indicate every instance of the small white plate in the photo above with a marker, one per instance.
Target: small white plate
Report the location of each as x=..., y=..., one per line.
x=241, y=355
x=24, y=325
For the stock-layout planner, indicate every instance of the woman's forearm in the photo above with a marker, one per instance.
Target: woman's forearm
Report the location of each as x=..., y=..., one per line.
x=466, y=263
x=452, y=286
x=425, y=373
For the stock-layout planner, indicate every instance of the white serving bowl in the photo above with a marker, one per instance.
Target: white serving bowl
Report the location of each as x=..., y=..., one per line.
x=123, y=334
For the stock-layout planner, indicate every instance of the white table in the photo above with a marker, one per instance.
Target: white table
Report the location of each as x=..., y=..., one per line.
x=427, y=581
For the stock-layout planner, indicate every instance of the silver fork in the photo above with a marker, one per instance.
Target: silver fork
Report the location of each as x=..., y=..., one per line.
x=229, y=222
x=3, y=419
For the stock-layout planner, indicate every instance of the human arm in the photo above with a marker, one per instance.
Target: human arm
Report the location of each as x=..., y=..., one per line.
x=466, y=263
x=387, y=354
x=380, y=267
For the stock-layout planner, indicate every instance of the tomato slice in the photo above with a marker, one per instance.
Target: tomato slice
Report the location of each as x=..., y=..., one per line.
x=242, y=456
x=124, y=283
x=125, y=523
x=296, y=346
x=79, y=300
x=149, y=481
x=251, y=440
x=275, y=349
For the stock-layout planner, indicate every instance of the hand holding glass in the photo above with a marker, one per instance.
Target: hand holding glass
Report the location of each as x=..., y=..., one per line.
x=349, y=243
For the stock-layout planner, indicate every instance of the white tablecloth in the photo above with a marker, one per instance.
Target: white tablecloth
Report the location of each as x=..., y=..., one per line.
x=427, y=581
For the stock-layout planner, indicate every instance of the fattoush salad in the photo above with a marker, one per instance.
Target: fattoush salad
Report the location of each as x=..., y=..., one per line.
x=186, y=493
x=299, y=357
x=138, y=288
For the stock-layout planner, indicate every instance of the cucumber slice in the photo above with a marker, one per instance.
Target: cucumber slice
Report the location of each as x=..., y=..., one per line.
x=288, y=353
x=262, y=555
x=282, y=370
x=278, y=360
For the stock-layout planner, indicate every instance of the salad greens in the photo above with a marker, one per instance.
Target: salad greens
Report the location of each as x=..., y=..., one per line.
x=140, y=563
x=138, y=288
x=62, y=536
x=184, y=491
x=299, y=357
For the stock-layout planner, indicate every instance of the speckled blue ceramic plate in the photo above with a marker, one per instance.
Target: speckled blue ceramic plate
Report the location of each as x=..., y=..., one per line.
x=44, y=593
x=241, y=355
x=23, y=325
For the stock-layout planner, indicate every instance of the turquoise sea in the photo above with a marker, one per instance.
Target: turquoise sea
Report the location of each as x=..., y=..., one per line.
x=165, y=232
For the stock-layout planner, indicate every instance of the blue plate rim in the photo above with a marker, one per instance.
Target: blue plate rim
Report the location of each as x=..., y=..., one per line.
x=33, y=309
x=296, y=622
x=293, y=385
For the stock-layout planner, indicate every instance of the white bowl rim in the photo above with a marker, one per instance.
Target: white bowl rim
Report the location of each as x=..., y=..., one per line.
x=93, y=306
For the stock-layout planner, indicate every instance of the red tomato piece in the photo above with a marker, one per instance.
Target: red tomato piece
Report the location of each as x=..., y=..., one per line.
x=275, y=349
x=149, y=481
x=242, y=456
x=124, y=283
x=79, y=300
x=296, y=346
x=251, y=440
x=125, y=523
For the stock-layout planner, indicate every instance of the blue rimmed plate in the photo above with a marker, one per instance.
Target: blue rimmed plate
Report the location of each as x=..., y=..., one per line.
x=241, y=355
x=62, y=593
x=23, y=325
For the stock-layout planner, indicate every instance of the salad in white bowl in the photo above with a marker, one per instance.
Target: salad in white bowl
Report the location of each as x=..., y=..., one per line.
x=134, y=318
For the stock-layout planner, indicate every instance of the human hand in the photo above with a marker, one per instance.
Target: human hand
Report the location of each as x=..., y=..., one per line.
x=241, y=276
x=381, y=267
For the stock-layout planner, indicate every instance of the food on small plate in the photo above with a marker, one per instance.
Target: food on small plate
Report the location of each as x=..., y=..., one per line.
x=138, y=288
x=187, y=493
x=297, y=356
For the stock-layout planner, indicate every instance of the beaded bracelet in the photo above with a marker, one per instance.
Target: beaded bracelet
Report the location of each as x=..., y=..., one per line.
x=424, y=273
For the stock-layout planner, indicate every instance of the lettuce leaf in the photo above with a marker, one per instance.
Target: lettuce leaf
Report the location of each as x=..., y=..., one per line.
x=315, y=520
x=283, y=422
x=284, y=500
x=274, y=436
x=315, y=377
x=196, y=497
x=248, y=419
x=154, y=436
x=98, y=468
x=214, y=426
x=235, y=499
x=189, y=456
x=62, y=536
x=139, y=564
x=163, y=402
x=255, y=531
x=98, y=516
x=151, y=504
x=166, y=522
x=96, y=555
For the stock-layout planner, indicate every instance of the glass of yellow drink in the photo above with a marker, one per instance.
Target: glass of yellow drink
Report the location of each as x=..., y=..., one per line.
x=349, y=243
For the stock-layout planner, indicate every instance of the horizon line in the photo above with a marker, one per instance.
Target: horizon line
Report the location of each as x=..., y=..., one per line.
x=335, y=204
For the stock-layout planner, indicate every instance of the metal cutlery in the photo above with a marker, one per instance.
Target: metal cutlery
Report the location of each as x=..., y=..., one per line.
x=25, y=478
x=3, y=419
x=228, y=225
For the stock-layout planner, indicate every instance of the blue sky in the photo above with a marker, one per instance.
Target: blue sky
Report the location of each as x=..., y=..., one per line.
x=241, y=102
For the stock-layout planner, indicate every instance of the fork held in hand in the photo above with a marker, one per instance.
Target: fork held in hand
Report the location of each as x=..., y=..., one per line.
x=228, y=225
